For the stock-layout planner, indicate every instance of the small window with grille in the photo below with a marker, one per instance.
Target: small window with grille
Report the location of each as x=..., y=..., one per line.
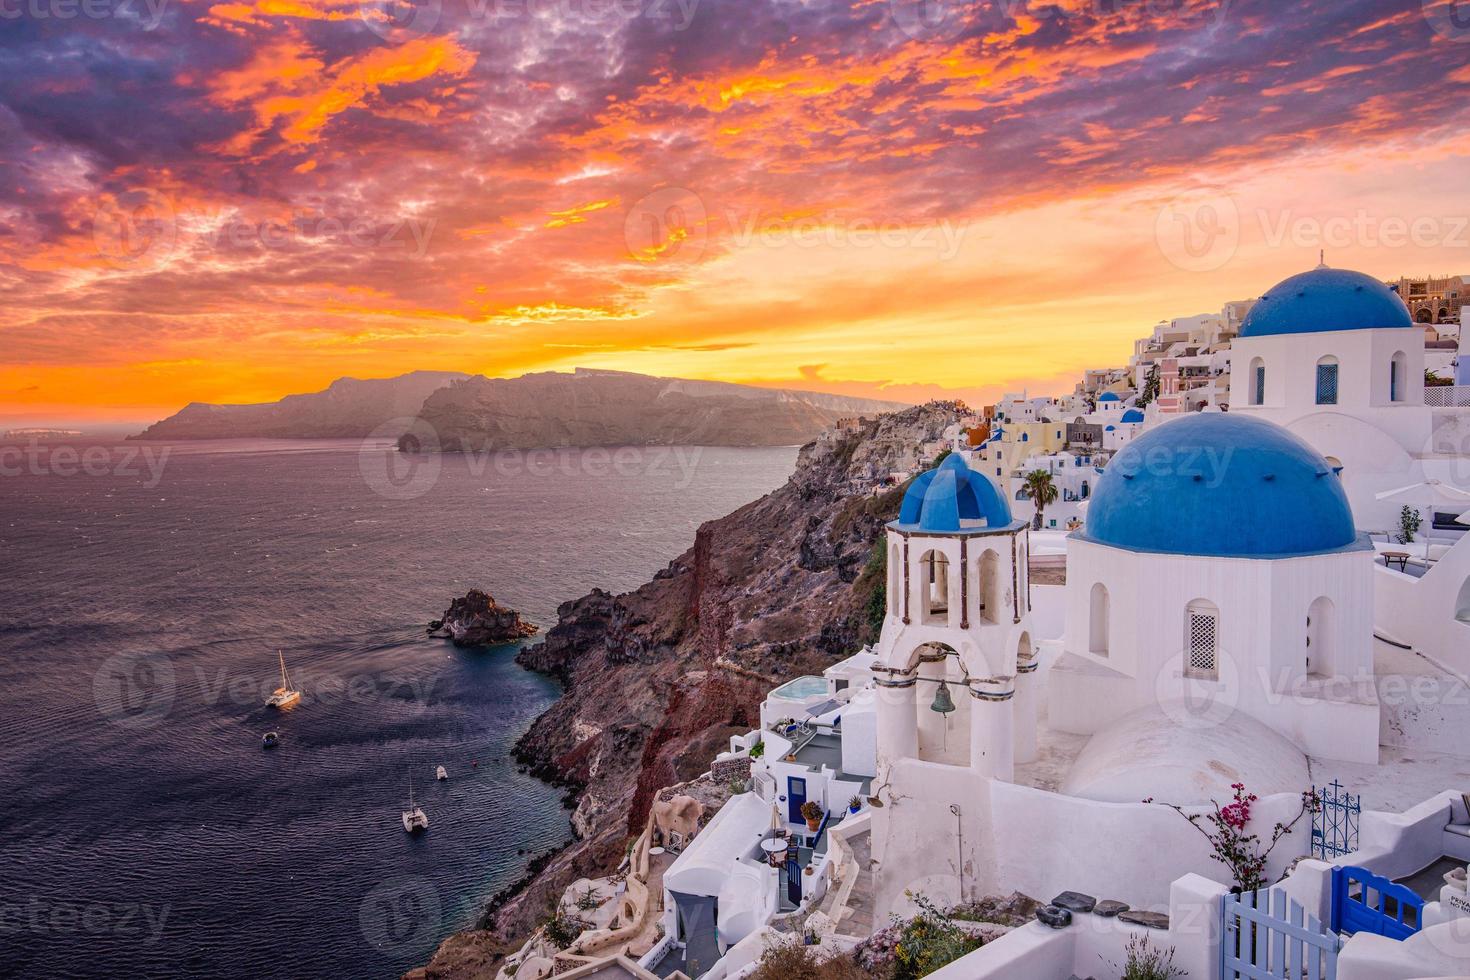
x=1327, y=383
x=1202, y=625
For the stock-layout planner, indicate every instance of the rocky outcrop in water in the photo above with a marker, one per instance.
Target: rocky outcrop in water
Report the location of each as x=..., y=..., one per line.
x=477, y=620
x=658, y=679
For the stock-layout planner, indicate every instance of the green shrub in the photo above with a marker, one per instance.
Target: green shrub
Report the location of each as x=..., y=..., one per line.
x=929, y=941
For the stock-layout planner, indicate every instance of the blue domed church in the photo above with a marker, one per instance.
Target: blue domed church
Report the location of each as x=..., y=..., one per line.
x=1334, y=356
x=1220, y=571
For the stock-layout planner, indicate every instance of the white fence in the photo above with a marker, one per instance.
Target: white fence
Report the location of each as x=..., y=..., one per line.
x=1447, y=396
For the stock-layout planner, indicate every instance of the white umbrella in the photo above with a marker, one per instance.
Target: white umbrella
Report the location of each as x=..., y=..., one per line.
x=1427, y=495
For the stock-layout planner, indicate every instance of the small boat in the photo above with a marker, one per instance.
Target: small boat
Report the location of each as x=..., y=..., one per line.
x=441, y=774
x=415, y=820
x=270, y=740
x=284, y=696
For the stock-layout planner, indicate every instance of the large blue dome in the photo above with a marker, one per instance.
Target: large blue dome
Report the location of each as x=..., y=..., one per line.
x=1322, y=300
x=940, y=499
x=1222, y=485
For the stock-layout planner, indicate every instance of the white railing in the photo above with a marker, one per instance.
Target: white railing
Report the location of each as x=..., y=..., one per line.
x=1447, y=396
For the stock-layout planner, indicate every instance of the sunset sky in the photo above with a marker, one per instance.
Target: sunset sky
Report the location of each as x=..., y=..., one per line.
x=233, y=201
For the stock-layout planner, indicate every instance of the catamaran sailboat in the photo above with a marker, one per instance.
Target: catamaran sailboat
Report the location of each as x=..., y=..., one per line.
x=284, y=696
x=414, y=818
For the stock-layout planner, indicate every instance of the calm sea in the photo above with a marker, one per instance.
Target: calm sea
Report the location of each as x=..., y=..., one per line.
x=142, y=602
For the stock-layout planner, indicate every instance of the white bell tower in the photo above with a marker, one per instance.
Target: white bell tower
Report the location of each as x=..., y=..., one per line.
x=955, y=659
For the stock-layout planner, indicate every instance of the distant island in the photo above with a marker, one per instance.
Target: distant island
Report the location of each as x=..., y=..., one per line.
x=42, y=433
x=615, y=408
x=449, y=412
x=349, y=408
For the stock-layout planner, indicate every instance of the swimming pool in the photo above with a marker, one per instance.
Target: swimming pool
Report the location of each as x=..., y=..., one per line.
x=801, y=688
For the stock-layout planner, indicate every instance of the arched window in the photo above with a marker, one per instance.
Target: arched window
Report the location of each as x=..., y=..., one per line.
x=1257, y=378
x=1097, y=621
x=934, y=588
x=1462, y=603
x=1202, y=640
x=990, y=587
x=1327, y=381
x=1397, y=374
x=1321, y=641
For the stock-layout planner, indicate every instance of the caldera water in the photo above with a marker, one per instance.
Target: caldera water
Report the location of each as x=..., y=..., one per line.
x=143, y=599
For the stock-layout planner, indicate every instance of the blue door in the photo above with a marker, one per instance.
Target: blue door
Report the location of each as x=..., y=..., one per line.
x=795, y=797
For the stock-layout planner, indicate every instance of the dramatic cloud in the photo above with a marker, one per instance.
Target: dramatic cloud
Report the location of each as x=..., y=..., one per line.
x=230, y=201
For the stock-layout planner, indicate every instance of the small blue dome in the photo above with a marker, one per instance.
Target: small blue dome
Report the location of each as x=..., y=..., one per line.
x=1325, y=299
x=1110, y=428
x=1108, y=396
x=951, y=492
x=1132, y=415
x=1223, y=485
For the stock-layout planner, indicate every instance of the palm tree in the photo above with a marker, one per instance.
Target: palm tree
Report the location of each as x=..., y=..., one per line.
x=1042, y=491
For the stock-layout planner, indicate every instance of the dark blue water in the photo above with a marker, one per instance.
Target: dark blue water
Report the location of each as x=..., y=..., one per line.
x=146, y=831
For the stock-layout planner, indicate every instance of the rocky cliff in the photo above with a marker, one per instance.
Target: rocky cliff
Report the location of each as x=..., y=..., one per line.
x=659, y=678
x=612, y=408
x=348, y=409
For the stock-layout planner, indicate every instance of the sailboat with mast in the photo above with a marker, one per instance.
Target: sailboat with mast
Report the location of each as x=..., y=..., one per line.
x=415, y=819
x=285, y=696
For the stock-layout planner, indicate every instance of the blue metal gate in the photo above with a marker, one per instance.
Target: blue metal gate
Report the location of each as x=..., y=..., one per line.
x=1266, y=935
x=1365, y=902
x=1335, y=824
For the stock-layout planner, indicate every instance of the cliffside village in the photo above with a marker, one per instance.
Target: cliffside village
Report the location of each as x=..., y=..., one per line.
x=1174, y=667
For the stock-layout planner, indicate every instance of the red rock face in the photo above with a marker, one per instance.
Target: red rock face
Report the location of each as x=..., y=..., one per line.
x=658, y=678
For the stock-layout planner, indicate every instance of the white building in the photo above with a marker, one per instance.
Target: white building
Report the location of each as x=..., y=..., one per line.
x=1334, y=356
x=1219, y=565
